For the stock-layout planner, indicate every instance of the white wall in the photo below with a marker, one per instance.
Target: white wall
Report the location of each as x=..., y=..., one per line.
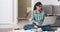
x=46, y=2
x=6, y=11
x=53, y=2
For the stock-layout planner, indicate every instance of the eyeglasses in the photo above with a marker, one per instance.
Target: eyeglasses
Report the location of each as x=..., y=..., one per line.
x=40, y=6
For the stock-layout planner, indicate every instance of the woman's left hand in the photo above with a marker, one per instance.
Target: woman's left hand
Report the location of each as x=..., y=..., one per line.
x=37, y=23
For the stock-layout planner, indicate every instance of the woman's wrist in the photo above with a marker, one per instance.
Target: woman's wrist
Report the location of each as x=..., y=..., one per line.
x=36, y=23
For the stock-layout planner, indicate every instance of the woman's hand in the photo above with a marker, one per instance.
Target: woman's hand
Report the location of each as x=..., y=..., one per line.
x=37, y=23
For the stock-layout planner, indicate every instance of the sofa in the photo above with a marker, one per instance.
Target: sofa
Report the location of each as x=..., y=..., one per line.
x=53, y=10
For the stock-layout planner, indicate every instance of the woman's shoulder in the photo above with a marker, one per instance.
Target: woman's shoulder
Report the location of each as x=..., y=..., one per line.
x=34, y=11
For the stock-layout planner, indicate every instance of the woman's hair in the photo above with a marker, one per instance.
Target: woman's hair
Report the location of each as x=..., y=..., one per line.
x=37, y=4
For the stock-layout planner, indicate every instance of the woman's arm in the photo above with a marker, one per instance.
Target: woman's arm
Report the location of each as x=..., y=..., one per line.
x=42, y=16
x=33, y=19
x=32, y=16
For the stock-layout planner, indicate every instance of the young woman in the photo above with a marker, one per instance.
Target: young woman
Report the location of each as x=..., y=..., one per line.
x=38, y=16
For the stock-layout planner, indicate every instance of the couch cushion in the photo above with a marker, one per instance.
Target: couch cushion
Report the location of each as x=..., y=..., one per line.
x=47, y=9
x=56, y=9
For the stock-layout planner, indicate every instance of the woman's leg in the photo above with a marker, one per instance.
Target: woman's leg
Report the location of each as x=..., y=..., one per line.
x=28, y=27
x=45, y=27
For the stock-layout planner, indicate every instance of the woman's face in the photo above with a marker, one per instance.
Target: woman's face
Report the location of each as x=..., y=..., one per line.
x=39, y=7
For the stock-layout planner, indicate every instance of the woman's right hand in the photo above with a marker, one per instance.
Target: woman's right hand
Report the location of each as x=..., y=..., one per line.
x=37, y=23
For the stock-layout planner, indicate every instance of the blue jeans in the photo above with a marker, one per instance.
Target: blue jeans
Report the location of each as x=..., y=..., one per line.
x=31, y=26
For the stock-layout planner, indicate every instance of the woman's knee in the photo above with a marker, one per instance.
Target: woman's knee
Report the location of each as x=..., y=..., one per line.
x=25, y=27
x=28, y=27
x=46, y=28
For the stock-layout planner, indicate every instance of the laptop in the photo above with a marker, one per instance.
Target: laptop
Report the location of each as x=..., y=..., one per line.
x=49, y=20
